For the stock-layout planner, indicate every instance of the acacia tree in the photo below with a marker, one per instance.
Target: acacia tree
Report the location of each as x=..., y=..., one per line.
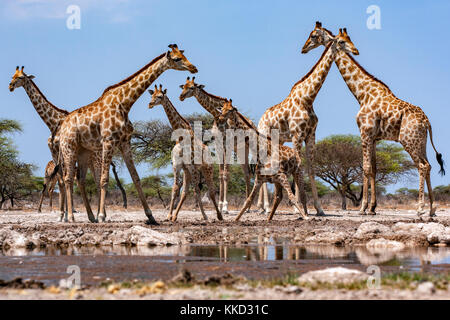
x=338, y=161
x=16, y=179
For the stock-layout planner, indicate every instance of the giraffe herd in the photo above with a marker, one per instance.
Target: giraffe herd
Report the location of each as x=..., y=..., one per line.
x=88, y=137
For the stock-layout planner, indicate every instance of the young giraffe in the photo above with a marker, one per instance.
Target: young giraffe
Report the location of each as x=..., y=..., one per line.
x=104, y=126
x=53, y=117
x=294, y=117
x=382, y=116
x=50, y=181
x=287, y=164
x=213, y=104
x=191, y=171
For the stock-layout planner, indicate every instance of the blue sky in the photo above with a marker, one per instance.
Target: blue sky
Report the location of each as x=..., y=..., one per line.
x=245, y=50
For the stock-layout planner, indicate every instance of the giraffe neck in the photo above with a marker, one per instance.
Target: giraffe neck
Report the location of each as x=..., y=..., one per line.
x=126, y=92
x=50, y=114
x=212, y=104
x=363, y=85
x=175, y=119
x=309, y=86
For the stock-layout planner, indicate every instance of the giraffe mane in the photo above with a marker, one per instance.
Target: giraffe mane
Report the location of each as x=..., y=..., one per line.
x=134, y=74
x=247, y=122
x=367, y=73
x=213, y=96
x=45, y=98
x=314, y=67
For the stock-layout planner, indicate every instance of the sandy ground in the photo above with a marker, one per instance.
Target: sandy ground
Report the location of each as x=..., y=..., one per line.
x=338, y=228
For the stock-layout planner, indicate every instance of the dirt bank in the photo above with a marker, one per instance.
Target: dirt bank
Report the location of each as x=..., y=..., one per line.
x=31, y=229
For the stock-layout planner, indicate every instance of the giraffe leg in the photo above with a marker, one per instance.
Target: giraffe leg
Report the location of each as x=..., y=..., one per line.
x=367, y=160
x=95, y=165
x=81, y=179
x=61, y=197
x=276, y=199
x=283, y=180
x=50, y=192
x=68, y=175
x=309, y=148
x=260, y=203
x=208, y=174
x=225, y=189
x=127, y=156
x=249, y=200
x=300, y=188
x=107, y=153
x=197, y=194
x=430, y=192
x=186, y=183
x=42, y=195
x=221, y=186
x=175, y=190
x=373, y=174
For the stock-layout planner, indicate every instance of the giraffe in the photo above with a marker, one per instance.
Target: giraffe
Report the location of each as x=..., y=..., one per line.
x=50, y=181
x=288, y=165
x=191, y=170
x=294, y=117
x=382, y=116
x=53, y=117
x=103, y=126
x=213, y=104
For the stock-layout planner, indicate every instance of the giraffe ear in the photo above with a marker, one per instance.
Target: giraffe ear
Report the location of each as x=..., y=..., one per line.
x=168, y=55
x=182, y=51
x=181, y=86
x=200, y=86
x=318, y=24
x=151, y=91
x=30, y=77
x=165, y=91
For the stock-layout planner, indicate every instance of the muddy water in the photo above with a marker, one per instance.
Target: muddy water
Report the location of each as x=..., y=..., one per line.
x=255, y=261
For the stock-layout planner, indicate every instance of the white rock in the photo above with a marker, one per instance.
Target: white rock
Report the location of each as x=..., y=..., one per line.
x=333, y=275
x=369, y=229
x=382, y=243
x=142, y=236
x=426, y=288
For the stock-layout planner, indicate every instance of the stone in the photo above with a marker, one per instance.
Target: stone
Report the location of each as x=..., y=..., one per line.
x=382, y=243
x=333, y=275
x=372, y=230
x=426, y=288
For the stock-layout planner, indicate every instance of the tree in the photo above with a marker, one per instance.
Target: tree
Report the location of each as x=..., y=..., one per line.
x=152, y=140
x=155, y=186
x=338, y=161
x=16, y=177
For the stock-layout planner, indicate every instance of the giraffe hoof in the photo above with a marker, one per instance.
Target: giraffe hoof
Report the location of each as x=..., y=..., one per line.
x=101, y=218
x=263, y=212
x=362, y=213
x=151, y=221
x=320, y=214
x=372, y=213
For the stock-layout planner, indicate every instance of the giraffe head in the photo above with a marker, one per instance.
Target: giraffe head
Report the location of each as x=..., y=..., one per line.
x=176, y=60
x=228, y=113
x=321, y=36
x=189, y=88
x=19, y=78
x=158, y=96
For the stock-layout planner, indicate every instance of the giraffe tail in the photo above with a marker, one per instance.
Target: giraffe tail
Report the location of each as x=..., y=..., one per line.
x=438, y=155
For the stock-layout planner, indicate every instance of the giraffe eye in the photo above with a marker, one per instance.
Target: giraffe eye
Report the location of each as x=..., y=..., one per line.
x=176, y=59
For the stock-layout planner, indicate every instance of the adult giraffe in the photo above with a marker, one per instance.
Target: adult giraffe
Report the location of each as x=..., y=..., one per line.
x=104, y=126
x=294, y=117
x=53, y=117
x=213, y=104
x=382, y=116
